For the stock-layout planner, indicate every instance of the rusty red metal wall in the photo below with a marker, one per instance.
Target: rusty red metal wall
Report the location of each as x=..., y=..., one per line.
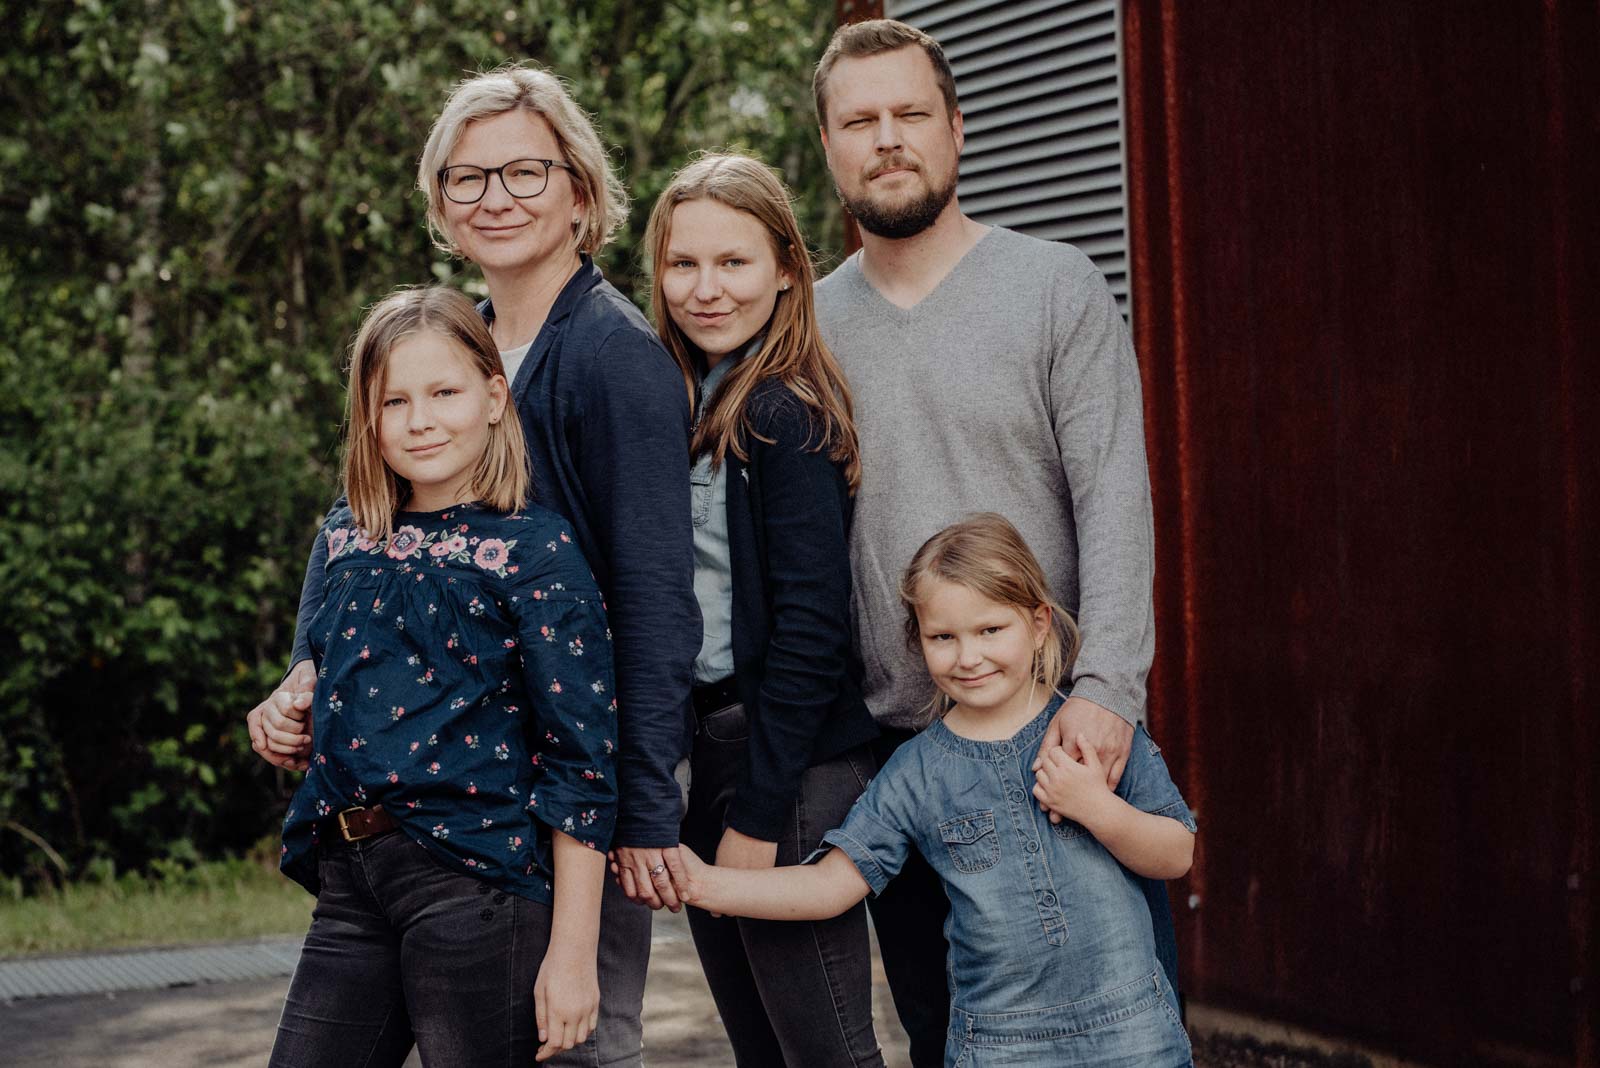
x=1367, y=305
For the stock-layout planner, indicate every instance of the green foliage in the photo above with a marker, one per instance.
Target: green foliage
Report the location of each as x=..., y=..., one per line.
x=196, y=202
x=176, y=902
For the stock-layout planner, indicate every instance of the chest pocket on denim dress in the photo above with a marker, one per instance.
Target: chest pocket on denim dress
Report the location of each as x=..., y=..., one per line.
x=1067, y=830
x=971, y=840
x=702, y=489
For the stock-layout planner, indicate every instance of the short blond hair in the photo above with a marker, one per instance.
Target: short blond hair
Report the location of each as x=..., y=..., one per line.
x=530, y=88
x=374, y=491
x=874, y=37
x=988, y=556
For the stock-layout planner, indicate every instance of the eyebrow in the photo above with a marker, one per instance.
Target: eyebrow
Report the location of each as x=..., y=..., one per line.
x=681, y=254
x=435, y=384
x=866, y=111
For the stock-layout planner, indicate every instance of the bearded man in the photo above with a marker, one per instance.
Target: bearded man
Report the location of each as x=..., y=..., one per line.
x=991, y=371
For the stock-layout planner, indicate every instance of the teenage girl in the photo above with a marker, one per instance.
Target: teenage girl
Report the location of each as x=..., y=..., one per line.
x=780, y=749
x=1051, y=958
x=460, y=797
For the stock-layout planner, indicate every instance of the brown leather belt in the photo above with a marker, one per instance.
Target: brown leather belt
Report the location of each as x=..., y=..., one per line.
x=358, y=823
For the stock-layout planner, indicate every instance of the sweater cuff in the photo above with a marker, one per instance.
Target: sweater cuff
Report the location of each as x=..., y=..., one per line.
x=759, y=817
x=1112, y=699
x=651, y=824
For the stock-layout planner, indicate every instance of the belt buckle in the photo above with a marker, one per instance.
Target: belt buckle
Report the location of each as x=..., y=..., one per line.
x=344, y=826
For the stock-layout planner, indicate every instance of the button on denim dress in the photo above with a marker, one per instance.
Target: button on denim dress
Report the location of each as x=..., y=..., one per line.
x=1052, y=959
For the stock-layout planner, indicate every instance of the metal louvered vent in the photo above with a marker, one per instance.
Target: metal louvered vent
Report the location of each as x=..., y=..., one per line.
x=1040, y=83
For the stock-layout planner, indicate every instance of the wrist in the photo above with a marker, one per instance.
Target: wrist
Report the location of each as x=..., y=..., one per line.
x=570, y=946
x=1099, y=812
x=712, y=888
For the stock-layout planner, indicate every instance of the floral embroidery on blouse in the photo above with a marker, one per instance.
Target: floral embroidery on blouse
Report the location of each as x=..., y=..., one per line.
x=464, y=683
x=438, y=547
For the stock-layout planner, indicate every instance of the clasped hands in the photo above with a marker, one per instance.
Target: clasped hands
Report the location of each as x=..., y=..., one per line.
x=1081, y=758
x=646, y=875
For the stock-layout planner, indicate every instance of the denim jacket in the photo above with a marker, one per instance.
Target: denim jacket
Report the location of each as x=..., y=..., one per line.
x=1049, y=935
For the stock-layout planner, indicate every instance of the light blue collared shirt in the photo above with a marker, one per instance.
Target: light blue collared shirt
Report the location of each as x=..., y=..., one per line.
x=713, y=566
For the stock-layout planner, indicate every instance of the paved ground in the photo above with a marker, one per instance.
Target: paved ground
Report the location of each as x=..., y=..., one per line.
x=230, y=1025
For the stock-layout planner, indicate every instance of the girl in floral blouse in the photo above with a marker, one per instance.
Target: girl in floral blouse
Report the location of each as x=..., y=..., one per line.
x=460, y=797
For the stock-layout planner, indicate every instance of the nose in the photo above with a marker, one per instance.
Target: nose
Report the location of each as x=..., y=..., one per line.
x=968, y=654
x=888, y=135
x=496, y=197
x=707, y=285
x=419, y=417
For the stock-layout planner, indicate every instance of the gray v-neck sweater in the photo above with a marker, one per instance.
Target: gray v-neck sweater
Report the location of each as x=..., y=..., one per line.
x=1011, y=388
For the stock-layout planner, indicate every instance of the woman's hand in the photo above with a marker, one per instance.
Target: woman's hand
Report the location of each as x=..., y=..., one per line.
x=566, y=1000
x=1072, y=790
x=741, y=851
x=642, y=874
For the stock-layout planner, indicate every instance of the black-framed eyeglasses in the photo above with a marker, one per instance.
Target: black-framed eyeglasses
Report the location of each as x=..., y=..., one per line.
x=522, y=178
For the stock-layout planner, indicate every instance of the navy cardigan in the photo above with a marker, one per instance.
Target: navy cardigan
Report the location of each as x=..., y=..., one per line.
x=607, y=422
x=795, y=666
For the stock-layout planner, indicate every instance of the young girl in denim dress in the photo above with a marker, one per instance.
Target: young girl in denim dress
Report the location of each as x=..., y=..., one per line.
x=460, y=796
x=1052, y=959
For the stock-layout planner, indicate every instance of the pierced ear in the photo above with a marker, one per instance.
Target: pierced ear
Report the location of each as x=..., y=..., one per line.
x=499, y=394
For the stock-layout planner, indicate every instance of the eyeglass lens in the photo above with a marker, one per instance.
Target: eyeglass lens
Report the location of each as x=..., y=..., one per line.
x=522, y=177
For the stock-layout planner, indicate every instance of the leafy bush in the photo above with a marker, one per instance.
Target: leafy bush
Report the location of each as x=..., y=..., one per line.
x=197, y=201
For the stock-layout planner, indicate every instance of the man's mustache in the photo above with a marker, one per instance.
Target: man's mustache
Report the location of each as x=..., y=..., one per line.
x=894, y=163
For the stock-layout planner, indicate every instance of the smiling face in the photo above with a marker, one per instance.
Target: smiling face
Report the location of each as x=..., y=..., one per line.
x=502, y=233
x=433, y=426
x=892, y=144
x=720, y=277
x=980, y=652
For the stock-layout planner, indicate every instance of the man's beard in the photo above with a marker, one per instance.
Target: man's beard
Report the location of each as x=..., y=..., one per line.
x=901, y=220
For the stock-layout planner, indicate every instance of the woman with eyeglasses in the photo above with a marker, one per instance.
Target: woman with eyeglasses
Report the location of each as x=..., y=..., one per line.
x=518, y=182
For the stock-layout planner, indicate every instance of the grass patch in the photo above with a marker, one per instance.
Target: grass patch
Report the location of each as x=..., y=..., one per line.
x=212, y=901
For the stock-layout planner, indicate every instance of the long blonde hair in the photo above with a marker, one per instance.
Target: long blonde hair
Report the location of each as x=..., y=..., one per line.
x=793, y=351
x=987, y=555
x=374, y=491
x=531, y=88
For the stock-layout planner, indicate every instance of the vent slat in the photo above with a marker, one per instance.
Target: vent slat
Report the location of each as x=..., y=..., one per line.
x=1040, y=83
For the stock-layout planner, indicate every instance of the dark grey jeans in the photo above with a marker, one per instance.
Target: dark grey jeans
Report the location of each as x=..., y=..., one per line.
x=403, y=951
x=796, y=994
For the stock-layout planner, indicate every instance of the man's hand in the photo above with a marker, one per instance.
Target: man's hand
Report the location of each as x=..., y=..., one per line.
x=1068, y=788
x=741, y=851
x=566, y=1001
x=280, y=726
x=642, y=873
x=1109, y=734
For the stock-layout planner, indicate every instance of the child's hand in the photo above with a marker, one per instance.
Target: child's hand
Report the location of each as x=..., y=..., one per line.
x=688, y=874
x=1074, y=790
x=566, y=1000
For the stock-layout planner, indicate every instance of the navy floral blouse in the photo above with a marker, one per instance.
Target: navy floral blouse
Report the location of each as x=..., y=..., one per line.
x=464, y=682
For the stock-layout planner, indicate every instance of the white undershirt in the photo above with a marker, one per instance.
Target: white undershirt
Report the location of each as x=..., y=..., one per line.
x=512, y=358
